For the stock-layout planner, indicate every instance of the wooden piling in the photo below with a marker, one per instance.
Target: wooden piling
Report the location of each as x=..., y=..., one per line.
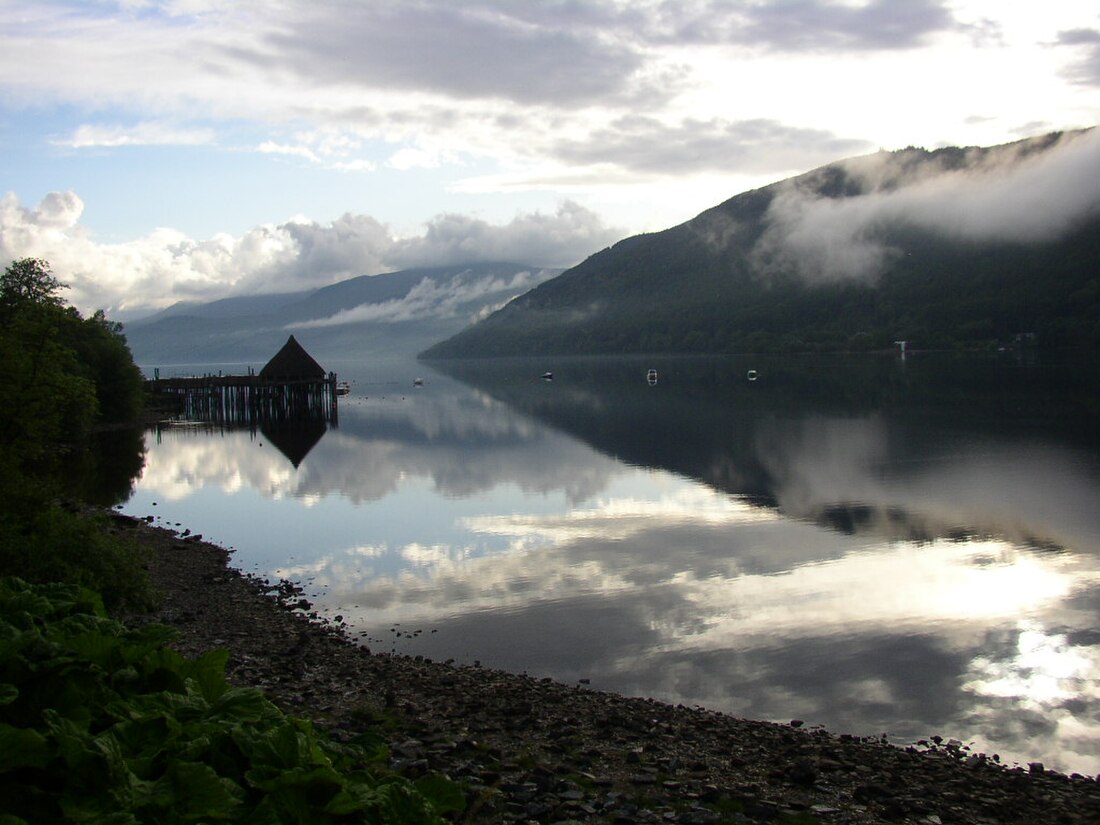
x=251, y=399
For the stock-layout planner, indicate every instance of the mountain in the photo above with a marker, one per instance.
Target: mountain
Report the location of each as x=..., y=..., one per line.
x=392, y=313
x=954, y=247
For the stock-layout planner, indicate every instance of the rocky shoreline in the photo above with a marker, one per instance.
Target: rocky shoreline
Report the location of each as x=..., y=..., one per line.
x=534, y=751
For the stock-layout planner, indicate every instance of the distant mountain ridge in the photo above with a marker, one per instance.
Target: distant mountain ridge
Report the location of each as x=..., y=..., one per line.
x=966, y=247
x=391, y=313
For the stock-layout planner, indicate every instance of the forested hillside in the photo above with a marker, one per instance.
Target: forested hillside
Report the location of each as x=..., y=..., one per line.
x=974, y=247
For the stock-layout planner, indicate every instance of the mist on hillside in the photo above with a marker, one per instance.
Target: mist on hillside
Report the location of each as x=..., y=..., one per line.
x=1013, y=193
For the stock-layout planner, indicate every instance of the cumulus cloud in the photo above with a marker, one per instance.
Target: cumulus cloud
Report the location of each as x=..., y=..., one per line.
x=1012, y=195
x=166, y=266
x=556, y=240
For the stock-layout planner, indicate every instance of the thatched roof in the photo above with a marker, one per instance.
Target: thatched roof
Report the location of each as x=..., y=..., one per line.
x=292, y=361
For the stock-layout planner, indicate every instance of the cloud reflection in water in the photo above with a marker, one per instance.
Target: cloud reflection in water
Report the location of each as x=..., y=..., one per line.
x=948, y=585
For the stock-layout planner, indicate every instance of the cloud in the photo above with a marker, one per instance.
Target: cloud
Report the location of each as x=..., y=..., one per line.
x=811, y=25
x=143, y=134
x=645, y=144
x=517, y=86
x=328, y=148
x=558, y=240
x=270, y=147
x=384, y=46
x=1085, y=71
x=429, y=299
x=1006, y=195
x=166, y=266
x=366, y=63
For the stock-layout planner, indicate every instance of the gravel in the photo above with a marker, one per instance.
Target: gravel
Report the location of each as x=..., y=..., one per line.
x=532, y=750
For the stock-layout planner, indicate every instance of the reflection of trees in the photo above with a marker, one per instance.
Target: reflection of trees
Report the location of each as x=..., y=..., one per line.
x=851, y=443
x=104, y=474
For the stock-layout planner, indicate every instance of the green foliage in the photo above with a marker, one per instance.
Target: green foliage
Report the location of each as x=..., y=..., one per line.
x=29, y=281
x=61, y=372
x=45, y=543
x=60, y=375
x=44, y=399
x=103, y=723
x=105, y=360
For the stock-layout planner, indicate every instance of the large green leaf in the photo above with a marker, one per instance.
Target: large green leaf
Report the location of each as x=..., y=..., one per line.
x=194, y=792
x=208, y=673
x=319, y=782
x=244, y=705
x=23, y=747
x=444, y=795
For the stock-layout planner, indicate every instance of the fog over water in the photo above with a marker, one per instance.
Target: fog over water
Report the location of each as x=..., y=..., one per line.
x=876, y=545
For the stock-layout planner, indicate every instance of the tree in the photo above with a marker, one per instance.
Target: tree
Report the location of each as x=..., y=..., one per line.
x=59, y=374
x=29, y=281
x=105, y=359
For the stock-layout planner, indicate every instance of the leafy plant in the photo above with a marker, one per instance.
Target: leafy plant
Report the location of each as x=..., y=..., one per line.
x=47, y=543
x=104, y=723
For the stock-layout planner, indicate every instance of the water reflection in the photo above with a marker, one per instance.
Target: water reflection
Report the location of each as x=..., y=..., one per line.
x=878, y=548
x=104, y=473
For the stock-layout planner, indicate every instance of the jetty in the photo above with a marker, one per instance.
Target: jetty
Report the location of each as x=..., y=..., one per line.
x=291, y=387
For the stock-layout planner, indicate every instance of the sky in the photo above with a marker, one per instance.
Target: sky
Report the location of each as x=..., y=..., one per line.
x=155, y=151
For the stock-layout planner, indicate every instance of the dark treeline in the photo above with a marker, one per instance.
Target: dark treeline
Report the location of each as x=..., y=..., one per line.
x=62, y=378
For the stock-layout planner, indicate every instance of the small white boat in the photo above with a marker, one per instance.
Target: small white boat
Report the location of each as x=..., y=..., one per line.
x=752, y=375
x=548, y=376
x=418, y=382
x=651, y=376
x=343, y=388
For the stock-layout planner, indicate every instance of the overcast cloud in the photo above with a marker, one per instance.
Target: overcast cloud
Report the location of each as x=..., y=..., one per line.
x=645, y=144
x=1086, y=70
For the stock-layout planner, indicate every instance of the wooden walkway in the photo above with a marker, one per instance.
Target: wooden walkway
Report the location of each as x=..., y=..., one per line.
x=248, y=399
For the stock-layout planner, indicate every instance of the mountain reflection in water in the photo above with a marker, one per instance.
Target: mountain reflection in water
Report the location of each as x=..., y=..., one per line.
x=878, y=546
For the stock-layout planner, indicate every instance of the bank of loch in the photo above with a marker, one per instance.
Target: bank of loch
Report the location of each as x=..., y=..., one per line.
x=531, y=750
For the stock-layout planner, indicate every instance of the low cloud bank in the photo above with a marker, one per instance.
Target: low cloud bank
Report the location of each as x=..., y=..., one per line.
x=166, y=266
x=1006, y=195
x=431, y=299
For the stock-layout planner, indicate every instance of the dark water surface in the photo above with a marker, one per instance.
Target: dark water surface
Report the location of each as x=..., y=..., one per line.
x=874, y=545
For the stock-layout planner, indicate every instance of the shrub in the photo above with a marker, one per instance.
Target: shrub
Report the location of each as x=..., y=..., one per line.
x=50, y=544
x=103, y=723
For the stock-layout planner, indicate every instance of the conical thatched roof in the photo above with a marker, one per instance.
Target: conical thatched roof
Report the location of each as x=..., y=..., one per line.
x=292, y=361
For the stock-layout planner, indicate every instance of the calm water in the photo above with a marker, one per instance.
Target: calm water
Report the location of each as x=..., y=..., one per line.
x=873, y=545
